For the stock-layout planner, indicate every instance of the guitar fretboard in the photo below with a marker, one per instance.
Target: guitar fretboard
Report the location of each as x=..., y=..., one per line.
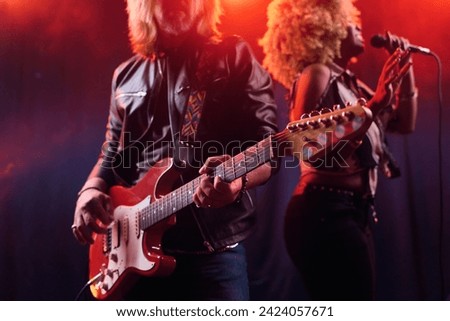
x=228, y=171
x=340, y=123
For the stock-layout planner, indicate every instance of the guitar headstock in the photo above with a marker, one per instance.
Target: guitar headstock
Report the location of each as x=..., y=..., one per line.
x=321, y=131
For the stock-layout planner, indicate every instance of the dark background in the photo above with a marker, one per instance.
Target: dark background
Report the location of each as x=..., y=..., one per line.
x=56, y=63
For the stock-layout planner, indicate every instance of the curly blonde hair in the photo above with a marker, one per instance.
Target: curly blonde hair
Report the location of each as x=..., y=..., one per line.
x=303, y=32
x=142, y=28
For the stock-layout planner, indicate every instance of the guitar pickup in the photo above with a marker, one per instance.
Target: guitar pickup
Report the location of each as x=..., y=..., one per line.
x=125, y=229
x=116, y=231
x=107, y=241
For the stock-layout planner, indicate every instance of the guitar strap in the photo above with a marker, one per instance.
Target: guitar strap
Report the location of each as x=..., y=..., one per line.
x=184, y=123
x=184, y=137
x=192, y=115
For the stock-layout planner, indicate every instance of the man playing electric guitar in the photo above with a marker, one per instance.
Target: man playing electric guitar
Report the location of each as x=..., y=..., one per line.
x=190, y=96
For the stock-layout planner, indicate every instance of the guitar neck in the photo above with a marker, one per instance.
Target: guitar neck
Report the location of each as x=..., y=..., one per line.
x=305, y=138
x=246, y=161
x=228, y=171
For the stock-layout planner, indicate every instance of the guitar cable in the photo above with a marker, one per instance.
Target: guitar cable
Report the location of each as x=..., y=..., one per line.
x=88, y=283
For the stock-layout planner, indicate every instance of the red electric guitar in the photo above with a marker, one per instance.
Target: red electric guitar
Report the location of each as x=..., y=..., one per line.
x=132, y=245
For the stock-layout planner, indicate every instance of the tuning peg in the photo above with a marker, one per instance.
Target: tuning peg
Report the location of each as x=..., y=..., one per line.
x=349, y=115
x=314, y=113
x=291, y=127
x=325, y=111
x=297, y=126
x=338, y=118
x=348, y=104
x=302, y=126
x=361, y=101
x=336, y=107
x=326, y=121
x=304, y=116
x=313, y=123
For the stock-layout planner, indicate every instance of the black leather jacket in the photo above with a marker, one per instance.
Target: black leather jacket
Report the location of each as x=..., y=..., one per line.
x=238, y=107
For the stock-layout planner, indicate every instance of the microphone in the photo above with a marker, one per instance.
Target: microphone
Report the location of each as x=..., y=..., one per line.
x=380, y=41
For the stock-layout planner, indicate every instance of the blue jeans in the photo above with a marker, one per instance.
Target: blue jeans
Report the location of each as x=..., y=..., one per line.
x=217, y=276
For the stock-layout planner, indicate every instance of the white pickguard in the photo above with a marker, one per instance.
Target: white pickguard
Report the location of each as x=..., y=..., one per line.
x=126, y=246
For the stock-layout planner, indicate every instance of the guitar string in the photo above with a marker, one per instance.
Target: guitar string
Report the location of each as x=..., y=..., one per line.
x=228, y=168
x=166, y=205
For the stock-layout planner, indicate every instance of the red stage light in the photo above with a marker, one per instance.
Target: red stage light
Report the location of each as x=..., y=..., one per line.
x=239, y=3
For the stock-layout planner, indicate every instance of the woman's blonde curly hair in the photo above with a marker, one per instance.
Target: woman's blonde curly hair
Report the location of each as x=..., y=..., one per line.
x=142, y=28
x=303, y=32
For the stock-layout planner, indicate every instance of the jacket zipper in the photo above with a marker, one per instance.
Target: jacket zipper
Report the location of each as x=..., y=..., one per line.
x=133, y=94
